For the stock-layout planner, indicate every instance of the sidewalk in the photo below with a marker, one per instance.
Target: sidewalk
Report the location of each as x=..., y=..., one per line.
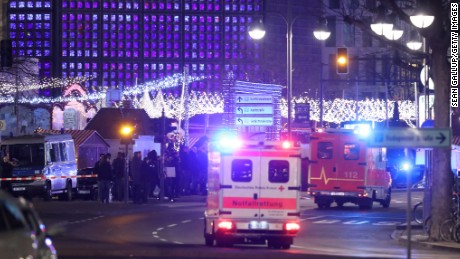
x=419, y=237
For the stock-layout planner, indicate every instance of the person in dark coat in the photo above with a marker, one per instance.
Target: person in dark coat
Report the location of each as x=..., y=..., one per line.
x=104, y=176
x=118, y=167
x=136, y=176
x=148, y=171
x=186, y=174
x=155, y=181
x=6, y=171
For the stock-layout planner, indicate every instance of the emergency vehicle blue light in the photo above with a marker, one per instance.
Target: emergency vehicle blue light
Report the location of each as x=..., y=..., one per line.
x=362, y=130
x=406, y=166
x=228, y=141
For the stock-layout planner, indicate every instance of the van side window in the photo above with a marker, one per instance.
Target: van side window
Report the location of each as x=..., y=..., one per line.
x=278, y=171
x=241, y=170
x=351, y=151
x=63, y=151
x=325, y=150
x=54, y=152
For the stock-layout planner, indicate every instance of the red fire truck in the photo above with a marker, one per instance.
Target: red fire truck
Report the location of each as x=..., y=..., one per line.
x=253, y=193
x=343, y=169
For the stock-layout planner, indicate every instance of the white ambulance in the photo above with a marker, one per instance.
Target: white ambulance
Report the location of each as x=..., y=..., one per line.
x=253, y=193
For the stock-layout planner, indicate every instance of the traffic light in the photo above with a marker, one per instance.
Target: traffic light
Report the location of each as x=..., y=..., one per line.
x=6, y=49
x=126, y=133
x=342, y=61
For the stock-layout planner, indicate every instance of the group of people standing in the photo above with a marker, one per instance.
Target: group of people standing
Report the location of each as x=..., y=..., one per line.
x=185, y=173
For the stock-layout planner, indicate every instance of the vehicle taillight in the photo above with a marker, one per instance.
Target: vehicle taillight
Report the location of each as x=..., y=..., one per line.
x=227, y=225
x=286, y=144
x=292, y=226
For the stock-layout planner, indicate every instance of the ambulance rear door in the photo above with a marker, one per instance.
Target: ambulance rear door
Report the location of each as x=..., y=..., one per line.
x=240, y=184
x=279, y=184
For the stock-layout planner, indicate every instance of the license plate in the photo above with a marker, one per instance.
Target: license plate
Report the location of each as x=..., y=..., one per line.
x=19, y=188
x=338, y=193
x=83, y=191
x=258, y=225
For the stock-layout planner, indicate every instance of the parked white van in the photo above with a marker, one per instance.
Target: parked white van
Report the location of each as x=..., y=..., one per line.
x=44, y=165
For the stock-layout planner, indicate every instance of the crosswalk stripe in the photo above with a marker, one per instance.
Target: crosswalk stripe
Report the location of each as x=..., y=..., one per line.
x=355, y=222
x=325, y=221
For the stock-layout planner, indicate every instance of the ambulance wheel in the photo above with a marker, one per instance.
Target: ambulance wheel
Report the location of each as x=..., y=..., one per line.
x=209, y=241
x=279, y=243
x=223, y=242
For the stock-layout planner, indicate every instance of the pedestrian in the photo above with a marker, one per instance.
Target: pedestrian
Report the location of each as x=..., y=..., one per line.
x=6, y=171
x=193, y=170
x=136, y=176
x=171, y=163
x=202, y=168
x=155, y=181
x=186, y=178
x=148, y=171
x=24, y=125
x=118, y=167
x=104, y=175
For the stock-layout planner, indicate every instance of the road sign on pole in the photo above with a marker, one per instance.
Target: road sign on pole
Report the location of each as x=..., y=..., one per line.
x=262, y=109
x=253, y=98
x=409, y=137
x=254, y=121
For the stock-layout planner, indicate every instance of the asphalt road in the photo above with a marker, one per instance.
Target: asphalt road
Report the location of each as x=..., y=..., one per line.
x=175, y=230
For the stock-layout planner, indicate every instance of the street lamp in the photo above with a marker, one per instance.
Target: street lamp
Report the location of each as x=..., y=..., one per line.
x=257, y=31
x=422, y=17
x=381, y=25
x=126, y=133
x=321, y=33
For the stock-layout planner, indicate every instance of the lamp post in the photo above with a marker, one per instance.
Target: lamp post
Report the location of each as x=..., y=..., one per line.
x=257, y=31
x=321, y=33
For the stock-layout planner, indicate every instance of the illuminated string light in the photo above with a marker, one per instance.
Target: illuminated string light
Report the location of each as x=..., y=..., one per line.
x=334, y=111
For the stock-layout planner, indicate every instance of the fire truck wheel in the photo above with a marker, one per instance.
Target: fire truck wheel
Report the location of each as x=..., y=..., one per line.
x=339, y=204
x=366, y=203
x=324, y=205
x=386, y=202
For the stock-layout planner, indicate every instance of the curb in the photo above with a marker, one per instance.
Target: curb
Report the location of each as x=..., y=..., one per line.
x=420, y=239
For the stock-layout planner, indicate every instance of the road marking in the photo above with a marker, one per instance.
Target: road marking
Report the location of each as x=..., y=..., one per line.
x=172, y=225
x=154, y=233
x=355, y=222
x=178, y=243
x=159, y=229
x=386, y=223
x=325, y=221
x=186, y=221
x=317, y=217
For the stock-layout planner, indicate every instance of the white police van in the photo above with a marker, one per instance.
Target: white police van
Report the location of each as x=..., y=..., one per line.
x=44, y=165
